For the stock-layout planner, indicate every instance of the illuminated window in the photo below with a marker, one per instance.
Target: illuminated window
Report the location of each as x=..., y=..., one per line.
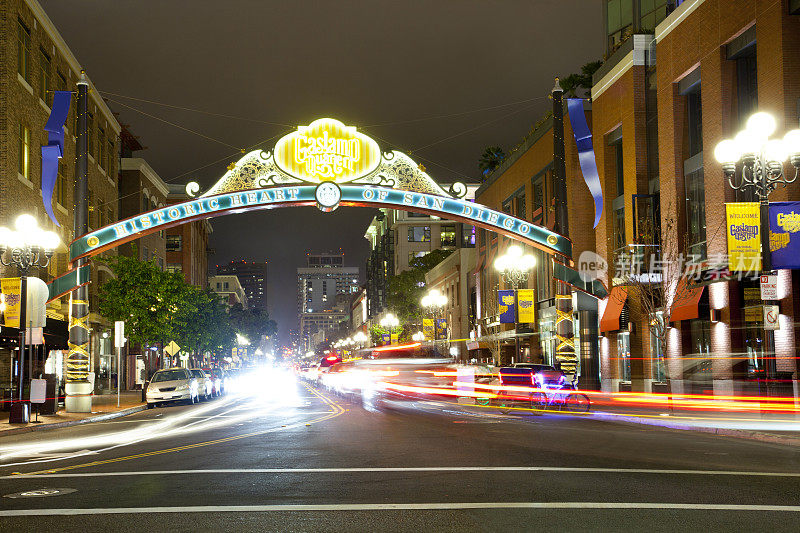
x=419, y=234
x=448, y=236
x=174, y=243
x=24, y=152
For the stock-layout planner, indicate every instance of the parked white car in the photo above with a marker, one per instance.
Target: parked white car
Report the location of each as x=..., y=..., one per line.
x=205, y=385
x=173, y=384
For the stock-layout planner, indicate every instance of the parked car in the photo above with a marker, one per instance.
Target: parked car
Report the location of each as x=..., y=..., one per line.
x=169, y=385
x=215, y=377
x=205, y=385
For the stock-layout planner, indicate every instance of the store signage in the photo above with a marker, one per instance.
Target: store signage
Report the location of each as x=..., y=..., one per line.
x=744, y=236
x=506, y=306
x=784, y=234
x=327, y=150
x=441, y=329
x=427, y=329
x=771, y=317
x=526, y=310
x=206, y=207
x=769, y=286
x=12, y=304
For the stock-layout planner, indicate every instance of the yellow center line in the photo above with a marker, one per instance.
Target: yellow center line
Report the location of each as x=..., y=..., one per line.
x=337, y=410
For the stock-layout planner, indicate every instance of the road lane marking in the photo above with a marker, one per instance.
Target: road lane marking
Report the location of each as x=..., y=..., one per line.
x=356, y=470
x=70, y=511
x=336, y=411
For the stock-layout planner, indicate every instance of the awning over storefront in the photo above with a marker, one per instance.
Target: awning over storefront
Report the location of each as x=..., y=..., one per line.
x=614, y=305
x=686, y=305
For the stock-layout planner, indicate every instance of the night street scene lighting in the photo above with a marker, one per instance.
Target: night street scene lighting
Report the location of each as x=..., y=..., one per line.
x=400, y=266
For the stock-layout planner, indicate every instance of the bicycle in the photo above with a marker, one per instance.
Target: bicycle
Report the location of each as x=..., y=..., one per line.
x=561, y=396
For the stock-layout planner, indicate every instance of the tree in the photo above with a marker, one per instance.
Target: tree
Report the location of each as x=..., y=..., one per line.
x=407, y=288
x=253, y=324
x=203, y=324
x=146, y=298
x=575, y=82
x=491, y=158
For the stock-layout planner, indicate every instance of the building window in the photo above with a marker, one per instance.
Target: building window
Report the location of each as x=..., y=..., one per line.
x=618, y=234
x=696, y=212
x=45, y=69
x=468, y=236
x=411, y=214
x=101, y=147
x=110, y=157
x=61, y=189
x=448, y=236
x=652, y=13
x=90, y=132
x=619, y=17
x=23, y=51
x=694, y=122
x=619, y=168
x=24, y=152
x=413, y=256
x=624, y=355
x=419, y=234
x=145, y=203
x=145, y=253
x=174, y=243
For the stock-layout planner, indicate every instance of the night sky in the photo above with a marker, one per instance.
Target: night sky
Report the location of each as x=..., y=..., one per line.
x=440, y=80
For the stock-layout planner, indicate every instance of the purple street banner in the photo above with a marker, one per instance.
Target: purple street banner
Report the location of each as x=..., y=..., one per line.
x=506, y=306
x=385, y=338
x=441, y=329
x=784, y=234
x=54, y=150
x=583, y=139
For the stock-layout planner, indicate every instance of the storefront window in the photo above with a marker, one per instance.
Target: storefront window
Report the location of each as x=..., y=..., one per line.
x=658, y=358
x=624, y=355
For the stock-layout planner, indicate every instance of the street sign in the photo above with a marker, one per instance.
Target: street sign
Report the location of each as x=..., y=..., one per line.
x=771, y=314
x=769, y=286
x=172, y=348
x=119, y=334
x=38, y=390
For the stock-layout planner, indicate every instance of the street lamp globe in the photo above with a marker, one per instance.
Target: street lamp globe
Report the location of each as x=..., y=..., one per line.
x=761, y=124
x=418, y=336
x=792, y=142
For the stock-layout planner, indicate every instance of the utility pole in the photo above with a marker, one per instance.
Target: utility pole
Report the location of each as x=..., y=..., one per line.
x=565, y=349
x=78, y=388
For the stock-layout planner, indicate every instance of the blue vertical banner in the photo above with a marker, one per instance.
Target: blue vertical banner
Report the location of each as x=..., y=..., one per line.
x=583, y=139
x=385, y=338
x=507, y=307
x=784, y=234
x=441, y=329
x=54, y=149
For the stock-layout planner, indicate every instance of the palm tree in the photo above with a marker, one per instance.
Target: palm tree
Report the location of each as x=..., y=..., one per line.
x=491, y=159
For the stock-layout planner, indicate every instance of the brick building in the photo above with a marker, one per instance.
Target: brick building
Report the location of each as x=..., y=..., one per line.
x=665, y=97
x=523, y=186
x=187, y=244
x=35, y=62
x=141, y=190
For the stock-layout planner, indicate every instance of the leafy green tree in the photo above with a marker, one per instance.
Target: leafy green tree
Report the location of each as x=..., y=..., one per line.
x=491, y=158
x=146, y=298
x=407, y=288
x=254, y=324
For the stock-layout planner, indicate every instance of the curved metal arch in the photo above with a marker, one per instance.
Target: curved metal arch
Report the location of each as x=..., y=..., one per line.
x=304, y=195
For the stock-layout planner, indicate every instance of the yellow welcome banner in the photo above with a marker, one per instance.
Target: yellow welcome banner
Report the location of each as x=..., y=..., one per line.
x=11, y=301
x=525, y=309
x=744, y=236
x=427, y=329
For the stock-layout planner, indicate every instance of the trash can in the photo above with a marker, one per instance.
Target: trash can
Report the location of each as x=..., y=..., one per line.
x=50, y=405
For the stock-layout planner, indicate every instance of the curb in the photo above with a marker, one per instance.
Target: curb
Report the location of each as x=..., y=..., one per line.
x=87, y=420
x=739, y=433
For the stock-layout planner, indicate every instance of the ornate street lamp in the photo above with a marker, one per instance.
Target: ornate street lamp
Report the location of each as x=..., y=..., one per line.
x=27, y=247
x=389, y=322
x=762, y=163
x=418, y=337
x=514, y=267
x=360, y=338
x=435, y=302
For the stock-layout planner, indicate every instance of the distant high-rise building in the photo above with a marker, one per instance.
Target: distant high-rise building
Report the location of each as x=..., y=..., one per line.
x=318, y=285
x=253, y=277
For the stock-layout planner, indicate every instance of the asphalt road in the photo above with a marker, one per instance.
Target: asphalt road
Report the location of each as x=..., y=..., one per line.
x=293, y=459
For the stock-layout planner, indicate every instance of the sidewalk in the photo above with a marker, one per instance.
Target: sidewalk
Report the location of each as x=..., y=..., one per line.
x=104, y=407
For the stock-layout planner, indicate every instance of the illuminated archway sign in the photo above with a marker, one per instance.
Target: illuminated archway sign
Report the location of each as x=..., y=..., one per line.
x=326, y=164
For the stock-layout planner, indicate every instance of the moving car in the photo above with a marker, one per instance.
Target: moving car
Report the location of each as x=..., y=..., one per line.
x=173, y=384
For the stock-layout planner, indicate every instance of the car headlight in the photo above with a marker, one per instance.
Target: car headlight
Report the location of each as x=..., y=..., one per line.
x=182, y=387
